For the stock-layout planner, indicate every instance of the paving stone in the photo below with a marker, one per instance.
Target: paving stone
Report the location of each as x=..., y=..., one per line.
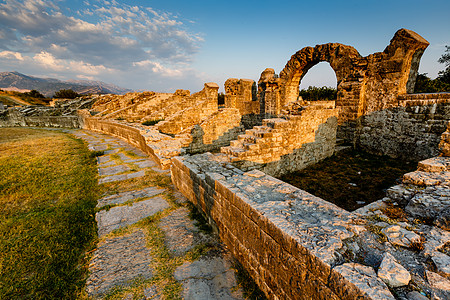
x=101, y=147
x=121, y=216
x=103, y=159
x=181, y=233
x=118, y=260
x=121, y=177
x=131, y=195
x=145, y=163
x=208, y=279
x=107, y=171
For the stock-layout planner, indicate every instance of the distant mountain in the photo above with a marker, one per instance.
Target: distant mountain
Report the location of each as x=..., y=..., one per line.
x=48, y=86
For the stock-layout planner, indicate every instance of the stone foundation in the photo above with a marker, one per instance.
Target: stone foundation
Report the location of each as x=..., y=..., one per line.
x=410, y=132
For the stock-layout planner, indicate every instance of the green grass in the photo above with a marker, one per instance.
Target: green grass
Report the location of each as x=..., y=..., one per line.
x=48, y=192
x=351, y=179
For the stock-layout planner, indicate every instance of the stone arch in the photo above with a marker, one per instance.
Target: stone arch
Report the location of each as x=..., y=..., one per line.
x=337, y=55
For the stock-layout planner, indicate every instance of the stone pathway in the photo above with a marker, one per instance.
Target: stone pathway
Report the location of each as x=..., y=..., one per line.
x=149, y=247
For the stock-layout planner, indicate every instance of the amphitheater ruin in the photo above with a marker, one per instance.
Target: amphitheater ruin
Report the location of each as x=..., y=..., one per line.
x=224, y=159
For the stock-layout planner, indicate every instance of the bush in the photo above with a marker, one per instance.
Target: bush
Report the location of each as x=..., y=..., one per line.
x=67, y=94
x=151, y=122
x=34, y=94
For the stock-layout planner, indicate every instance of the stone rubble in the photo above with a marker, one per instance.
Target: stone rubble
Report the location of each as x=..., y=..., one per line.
x=393, y=273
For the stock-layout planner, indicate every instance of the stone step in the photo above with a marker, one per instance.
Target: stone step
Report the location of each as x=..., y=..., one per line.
x=338, y=149
x=340, y=142
x=435, y=164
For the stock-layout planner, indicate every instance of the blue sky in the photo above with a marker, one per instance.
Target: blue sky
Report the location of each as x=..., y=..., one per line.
x=167, y=45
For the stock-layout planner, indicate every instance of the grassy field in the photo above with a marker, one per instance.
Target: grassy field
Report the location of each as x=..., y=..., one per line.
x=351, y=179
x=48, y=192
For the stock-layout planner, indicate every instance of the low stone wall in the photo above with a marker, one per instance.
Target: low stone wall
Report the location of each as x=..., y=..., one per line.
x=13, y=118
x=410, y=132
x=131, y=135
x=286, y=238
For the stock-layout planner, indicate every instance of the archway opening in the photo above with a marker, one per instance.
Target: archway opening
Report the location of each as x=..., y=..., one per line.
x=319, y=83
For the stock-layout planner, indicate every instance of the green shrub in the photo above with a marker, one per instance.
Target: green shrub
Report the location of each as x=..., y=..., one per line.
x=66, y=94
x=152, y=122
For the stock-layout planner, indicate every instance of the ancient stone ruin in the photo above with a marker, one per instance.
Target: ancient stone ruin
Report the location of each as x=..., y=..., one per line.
x=294, y=244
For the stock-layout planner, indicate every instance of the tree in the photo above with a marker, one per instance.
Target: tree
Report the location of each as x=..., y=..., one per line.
x=34, y=94
x=445, y=59
x=318, y=93
x=424, y=84
x=67, y=94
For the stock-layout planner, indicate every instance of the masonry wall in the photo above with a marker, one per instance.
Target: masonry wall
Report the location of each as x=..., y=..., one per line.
x=411, y=131
x=204, y=105
x=216, y=131
x=241, y=94
x=271, y=227
x=282, y=146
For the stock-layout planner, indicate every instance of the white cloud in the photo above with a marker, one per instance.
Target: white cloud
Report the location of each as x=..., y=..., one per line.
x=105, y=38
x=11, y=55
x=159, y=69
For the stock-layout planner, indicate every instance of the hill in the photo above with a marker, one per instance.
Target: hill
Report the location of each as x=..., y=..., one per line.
x=48, y=86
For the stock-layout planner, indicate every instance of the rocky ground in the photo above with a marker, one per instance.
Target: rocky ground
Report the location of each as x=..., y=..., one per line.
x=149, y=247
x=405, y=236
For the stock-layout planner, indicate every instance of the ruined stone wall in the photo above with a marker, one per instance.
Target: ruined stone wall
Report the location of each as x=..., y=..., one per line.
x=204, y=104
x=180, y=100
x=285, y=238
x=269, y=93
x=130, y=134
x=410, y=132
x=444, y=144
x=14, y=118
x=241, y=94
x=281, y=146
x=364, y=84
x=216, y=131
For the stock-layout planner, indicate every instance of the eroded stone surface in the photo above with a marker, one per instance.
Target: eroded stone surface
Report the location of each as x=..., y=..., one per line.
x=121, y=216
x=121, y=177
x=117, y=261
x=400, y=236
x=128, y=196
x=113, y=170
x=365, y=278
x=181, y=233
x=207, y=279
